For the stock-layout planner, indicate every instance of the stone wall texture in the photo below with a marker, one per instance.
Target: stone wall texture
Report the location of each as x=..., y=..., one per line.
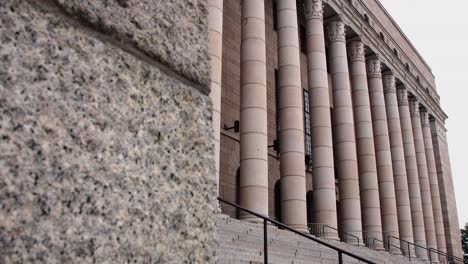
x=106, y=147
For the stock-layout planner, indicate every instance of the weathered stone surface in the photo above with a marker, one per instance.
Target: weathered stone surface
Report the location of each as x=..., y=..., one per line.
x=174, y=32
x=103, y=158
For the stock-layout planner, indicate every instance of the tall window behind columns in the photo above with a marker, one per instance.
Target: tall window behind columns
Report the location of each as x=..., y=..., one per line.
x=307, y=138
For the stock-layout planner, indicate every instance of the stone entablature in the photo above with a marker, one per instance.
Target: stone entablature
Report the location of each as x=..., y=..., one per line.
x=349, y=11
x=381, y=21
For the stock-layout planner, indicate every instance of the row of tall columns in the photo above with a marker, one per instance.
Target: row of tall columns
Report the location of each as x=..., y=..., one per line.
x=291, y=134
x=367, y=164
x=253, y=111
x=383, y=152
x=344, y=138
x=215, y=35
x=324, y=195
x=398, y=160
x=412, y=172
x=426, y=197
x=380, y=146
x=434, y=183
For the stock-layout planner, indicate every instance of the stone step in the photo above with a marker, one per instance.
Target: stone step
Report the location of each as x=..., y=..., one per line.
x=242, y=242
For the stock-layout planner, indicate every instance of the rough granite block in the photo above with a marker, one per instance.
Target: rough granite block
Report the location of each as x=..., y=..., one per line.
x=103, y=157
x=174, y=32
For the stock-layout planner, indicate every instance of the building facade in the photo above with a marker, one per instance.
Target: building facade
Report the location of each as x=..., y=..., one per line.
x=326, y=114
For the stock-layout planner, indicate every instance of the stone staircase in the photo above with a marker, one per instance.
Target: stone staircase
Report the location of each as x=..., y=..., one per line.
x=242, y=242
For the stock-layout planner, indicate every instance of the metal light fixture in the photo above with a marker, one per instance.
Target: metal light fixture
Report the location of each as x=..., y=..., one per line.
x=235, y=127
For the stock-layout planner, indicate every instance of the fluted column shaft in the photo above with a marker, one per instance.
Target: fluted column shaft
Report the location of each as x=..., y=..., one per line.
x=426, y=197
x=412, y=173
x=434, y=183
x=383, y=153
x=215, y=34
x=324, y=196
x=291, y=134
x=343, y=132
x=253, y=112
x=368, y=182
x=398, y=161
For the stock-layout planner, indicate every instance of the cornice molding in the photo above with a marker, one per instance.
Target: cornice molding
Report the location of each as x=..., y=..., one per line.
x=371, y=38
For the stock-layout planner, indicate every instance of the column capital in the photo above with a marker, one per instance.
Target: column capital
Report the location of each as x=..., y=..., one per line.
x=389, y=82
x=424, y=118
x=313, y=9
x=374, y=67
x=356, y=50
x=336, y=31
x=414, y=106
x=402, y=95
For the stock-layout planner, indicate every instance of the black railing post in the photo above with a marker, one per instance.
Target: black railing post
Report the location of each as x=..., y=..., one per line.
x=409, y=251
x=265, y=241
x=430, y=258
x=340, y=257
x=390, y=245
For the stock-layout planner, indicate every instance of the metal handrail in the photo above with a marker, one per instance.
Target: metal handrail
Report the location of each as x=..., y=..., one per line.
x=409, y=243
x=429, y=250
x=389, y=249
x=446, y=255
x=340, y=231
x=265, y=242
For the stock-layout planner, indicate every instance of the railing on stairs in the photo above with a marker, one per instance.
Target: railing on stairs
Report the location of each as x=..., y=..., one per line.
x=340, y=251
x=319, y=230
x=386, y=246
x=450, y=258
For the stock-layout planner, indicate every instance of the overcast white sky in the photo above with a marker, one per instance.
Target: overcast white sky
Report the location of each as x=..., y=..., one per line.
x=439, y=30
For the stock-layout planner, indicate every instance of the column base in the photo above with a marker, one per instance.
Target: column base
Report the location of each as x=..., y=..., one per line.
x=251, y=218
x=396, y=252
x=379, y=247
x=301, y=229
x=333, y=237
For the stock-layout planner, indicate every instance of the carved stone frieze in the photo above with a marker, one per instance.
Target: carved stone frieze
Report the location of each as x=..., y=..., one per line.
x=402, y=95
x=313, y=9
x=414, y=107
x=356, y=51
x=389, y=83
x=336, y=31
x=374, y=67
x=424, y=118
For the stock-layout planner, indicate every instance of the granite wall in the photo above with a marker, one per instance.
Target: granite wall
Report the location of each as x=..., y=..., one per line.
x=106, y=148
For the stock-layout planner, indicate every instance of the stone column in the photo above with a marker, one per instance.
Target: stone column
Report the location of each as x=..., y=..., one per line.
x=324, y=195
x=446, y=188
x=398, y=161
x=383, y=153
x=424, y=185
x=434, y=183
x=215, y=34
x=253, y=113
x=291, y=118
x=368, y=182
x=412, y=173
x=343, y=132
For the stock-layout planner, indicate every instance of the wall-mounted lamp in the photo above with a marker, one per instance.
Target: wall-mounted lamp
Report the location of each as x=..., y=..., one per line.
x=276, y=145
x=235, y=127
